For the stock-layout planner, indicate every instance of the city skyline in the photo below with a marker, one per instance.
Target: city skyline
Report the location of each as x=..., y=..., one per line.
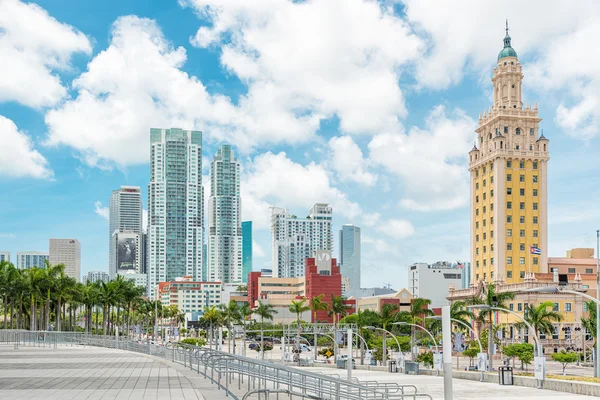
x=395, y=165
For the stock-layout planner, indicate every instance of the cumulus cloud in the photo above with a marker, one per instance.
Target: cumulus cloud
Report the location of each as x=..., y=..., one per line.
x=33, y=46
x=101, y=210
x=20, y=159
x=397, y=228
x=430, y=161
x=348, y=162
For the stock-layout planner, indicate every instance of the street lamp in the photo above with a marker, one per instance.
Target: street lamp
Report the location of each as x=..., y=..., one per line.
x=537, y=341
x=554, y=289
x=458, y=321
x=437, y=350
x=384, y=356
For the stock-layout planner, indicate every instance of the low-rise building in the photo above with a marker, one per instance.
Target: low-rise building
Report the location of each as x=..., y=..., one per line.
x=95, y=276
x=402, y=298
x=432, y=281
x=190, y=297
x=30, y=259
x=5, y=256
x=137, y=278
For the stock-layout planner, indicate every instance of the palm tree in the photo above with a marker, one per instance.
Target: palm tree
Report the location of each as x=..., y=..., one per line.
x=541, y=317
x=264, y=311
x=590, y=323
x=211, y=316
x=298, y=307
x=388, y=314
x=229, y=312
x=35, y=279
x=244, y=313
x=338, y=309
x=418, y=310
x=317, y=304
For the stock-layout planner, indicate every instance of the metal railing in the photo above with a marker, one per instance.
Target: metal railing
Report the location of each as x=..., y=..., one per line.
x=232, y=373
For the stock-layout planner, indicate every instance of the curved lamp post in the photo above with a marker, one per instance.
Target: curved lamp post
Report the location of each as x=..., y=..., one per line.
x=554, y=289
x=384, y=356
x=458, y=321
x=437, y=350
x=540, y=351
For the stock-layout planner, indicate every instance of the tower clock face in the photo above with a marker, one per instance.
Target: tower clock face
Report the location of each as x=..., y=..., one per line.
x=403, y=295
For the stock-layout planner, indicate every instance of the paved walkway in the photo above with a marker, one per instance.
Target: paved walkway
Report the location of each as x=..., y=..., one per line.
x=78, y=373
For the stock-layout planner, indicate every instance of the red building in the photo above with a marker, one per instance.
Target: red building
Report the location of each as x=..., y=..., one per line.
x=322, y=277
x=253, y=294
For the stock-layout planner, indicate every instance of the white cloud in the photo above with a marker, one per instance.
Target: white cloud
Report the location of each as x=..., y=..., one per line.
x=33, y=46
x=100, y=210
x=20, y=159
x=317, y=58
x=431, y=161
x=275, y=180
x=397, y=228
x=348, y=162
x=257, y=250
x=371, y=219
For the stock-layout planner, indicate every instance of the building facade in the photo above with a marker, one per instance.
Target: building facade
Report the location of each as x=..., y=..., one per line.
x=30, y=259
x=295, y=239
x=350, y=259
x=508, y=168
x=433, y=281
x=175, y=206
x=95, y=276
x=127, y=248
x=246, y=250
x=125, y=215
x=4, y=256
x=224, y=219
x=190, y=296
x=67, y=252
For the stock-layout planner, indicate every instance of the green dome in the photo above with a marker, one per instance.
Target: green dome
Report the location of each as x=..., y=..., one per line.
x=507, y=52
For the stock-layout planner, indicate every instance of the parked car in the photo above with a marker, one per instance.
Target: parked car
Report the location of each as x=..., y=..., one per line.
x=305, y=348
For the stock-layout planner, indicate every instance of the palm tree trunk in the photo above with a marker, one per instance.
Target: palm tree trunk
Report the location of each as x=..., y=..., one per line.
x=262, y=327
x=20, y=316
x=490, y=342
x=315, y=335
x=104, y=318
x=12, y=312
x=58, y=312
x=32, y=314
x=5, y=311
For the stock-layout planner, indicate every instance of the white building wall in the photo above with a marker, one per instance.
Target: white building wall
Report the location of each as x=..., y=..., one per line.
x=433, y=281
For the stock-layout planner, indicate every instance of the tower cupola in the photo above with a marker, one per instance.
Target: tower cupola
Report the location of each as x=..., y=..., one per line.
x=507, y=51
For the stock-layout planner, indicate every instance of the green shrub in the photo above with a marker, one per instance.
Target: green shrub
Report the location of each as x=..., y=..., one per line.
x=426, y=358
x=194, y=341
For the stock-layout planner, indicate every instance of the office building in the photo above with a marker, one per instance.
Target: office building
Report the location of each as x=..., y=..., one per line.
x=224, y=219
x=350, y=259
x=125, y=215
x=4, y=256
x=246, y=250
x=30, y=259
x=95, y=276
x=190, y=296
x=296, y=239
x=508, y=166
x=175, y=206
x=433, y=281
x=67, y=252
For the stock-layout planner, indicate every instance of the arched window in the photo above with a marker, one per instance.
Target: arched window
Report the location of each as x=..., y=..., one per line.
x=490, y=135
x=500, y=145
x=518, y=131
x=544, y=147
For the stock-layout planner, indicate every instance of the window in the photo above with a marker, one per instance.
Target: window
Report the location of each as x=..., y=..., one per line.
x=484, y=236
x=531, y=131
x=509, y=246
x=535, y=179
x=484, y=209
x=484, y=183
x=535, y=220
x=484, y=169
x=491, y=179
x=518, y=130
x=521, y=274
x=484, y=195
x=509, y=232
x=491, y=220
x=484, y=222
x=492, y=206
x=492, y=263
x=535, y=206
x=535, y=233
x=522, y=164
x=508, y=177
x=477, y=186
x=521, y=178
x=484, y=249
x=535, y=192
x=555, y=307
x=476, y=199
x=492, y=193
x=492, y=247
x=477, y=238
x=522, y=246
x=535, y=261
x=484, y=260
x=522, y=233
x=571, y=270
x=477, y=264
x=477, y=225
x=509, y=219
x=506, y=129
x=535, y=165
x=484, y=276
x=589, y=271
x=509, y=205
x=522, y=205
x=509, y=275
x=491, y=234
x=517, y=147
x=508, y=191
x=521, y=219
x=522, y=260
x=509, y=260
x=519, y=306
x=522, y=192
x=508, y=163
x=477, y=211
x=477, y=250
x=477, y=173
x=585, y=306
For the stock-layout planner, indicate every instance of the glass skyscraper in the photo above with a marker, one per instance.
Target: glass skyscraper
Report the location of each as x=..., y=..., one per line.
x=175, y=206
x=125, y=217
x=350, y=258
x=246, y=250
x=224, y=219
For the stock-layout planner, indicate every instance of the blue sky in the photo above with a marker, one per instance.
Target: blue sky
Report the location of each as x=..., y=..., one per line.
x=368, y=105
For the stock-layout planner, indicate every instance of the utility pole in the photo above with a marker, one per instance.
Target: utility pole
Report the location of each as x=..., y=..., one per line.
x=447, y=355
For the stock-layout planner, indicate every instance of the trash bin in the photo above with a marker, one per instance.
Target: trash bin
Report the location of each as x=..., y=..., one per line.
x=505, y=375
x=410, y=366
x=393, y=367
x=340, y=363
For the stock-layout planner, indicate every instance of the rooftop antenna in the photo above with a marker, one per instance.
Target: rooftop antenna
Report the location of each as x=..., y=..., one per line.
x=506, y=26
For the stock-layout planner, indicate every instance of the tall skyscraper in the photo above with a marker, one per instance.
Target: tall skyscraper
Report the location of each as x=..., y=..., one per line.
x=67, y=252
x=508, y=167
x=5, y=256
x=246, y=250
x=175, y=206
x=125, y=217
x=224, y=219
x=350, y=258
x=295, y=239
x=30, y=259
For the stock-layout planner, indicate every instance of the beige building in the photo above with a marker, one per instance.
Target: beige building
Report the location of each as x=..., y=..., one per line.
x=67, y=252
x=279, y=292
x=402, y=298
x=191, y=297
x=508, y=168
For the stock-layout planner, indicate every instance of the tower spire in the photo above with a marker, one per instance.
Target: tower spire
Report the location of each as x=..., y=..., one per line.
x=506, y=26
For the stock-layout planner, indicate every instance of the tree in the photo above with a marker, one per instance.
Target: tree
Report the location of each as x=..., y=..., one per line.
x=521, y=351
x=264, y=311
x=230, y=312
x=298, y=307
x=471, y=352
x=245, y=312
x=418, y=310
x=565, y=358
x=317, y=304
x=541, y=317
x=338, y=309
x=590, y=323
x=426, y=358
x=211, y=316
x=242, y=288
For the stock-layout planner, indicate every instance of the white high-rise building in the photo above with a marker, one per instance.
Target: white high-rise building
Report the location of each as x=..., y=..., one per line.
x=350, y=259
x=5, y=256
x=67, y=252
x=432, y=281
x=225, y=219
x=175, y=207
x=125, y=215
x=95, y=276
x=30, y=259
x=295, y=239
